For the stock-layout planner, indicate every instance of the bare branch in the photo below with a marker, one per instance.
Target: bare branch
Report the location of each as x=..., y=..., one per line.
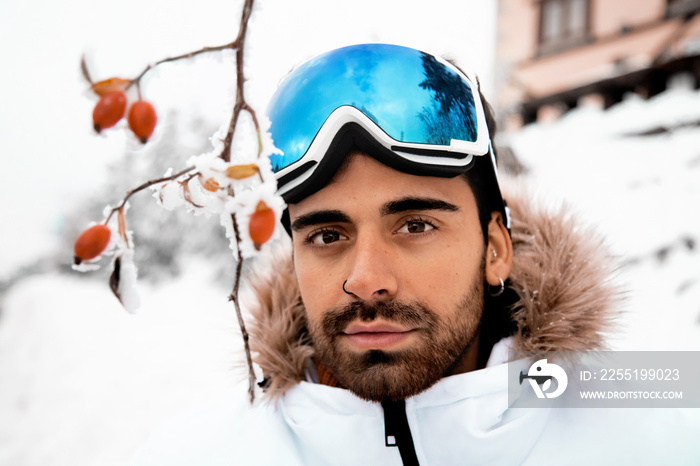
x=239, y=46
x=184, y=56
x=84, y=70
x=236, y=304
x=240, y=103
x=235, y=45
x=145, y=185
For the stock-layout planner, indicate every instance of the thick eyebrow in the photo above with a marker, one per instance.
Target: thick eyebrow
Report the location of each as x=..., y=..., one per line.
x=319, y=217
x=416, y=203
x=398, y=206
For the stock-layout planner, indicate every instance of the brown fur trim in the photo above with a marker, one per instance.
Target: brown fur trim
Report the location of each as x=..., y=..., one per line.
x=278, y=337
x=561, y=273
x=563, y=276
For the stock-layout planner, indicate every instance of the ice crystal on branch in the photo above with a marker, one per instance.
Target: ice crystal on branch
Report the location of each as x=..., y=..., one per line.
x=234, y=181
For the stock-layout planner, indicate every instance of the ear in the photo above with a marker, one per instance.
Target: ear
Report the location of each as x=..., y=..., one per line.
x=499, y=251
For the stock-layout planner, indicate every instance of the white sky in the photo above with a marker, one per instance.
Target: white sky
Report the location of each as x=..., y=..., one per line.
x=49, y=151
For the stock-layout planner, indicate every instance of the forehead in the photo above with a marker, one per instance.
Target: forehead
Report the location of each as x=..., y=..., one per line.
x=362, y=181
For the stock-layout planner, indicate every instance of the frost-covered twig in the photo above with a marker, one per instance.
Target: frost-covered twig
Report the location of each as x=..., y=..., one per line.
x=219, y=186
x=239, y=46
x=145, y=185
x=236, y=304
x=241, y=103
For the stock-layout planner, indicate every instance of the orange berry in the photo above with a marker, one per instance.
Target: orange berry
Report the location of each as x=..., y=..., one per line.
x=142, y=120
x=109, y=110
x=91, y=243
x=261, y=225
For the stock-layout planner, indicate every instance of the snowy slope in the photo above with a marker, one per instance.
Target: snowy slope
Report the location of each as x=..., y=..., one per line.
x=82, y=382
x=642, y=192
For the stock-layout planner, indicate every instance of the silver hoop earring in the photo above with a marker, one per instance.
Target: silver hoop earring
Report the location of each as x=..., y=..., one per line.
x=497, y=293
x=344, y=290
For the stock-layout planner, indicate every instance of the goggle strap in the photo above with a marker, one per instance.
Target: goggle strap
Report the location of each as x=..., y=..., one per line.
x=296, y=173
x=506, y=209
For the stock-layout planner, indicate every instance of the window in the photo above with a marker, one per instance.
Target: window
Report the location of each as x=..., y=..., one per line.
x=563, y=24
x=682, y=7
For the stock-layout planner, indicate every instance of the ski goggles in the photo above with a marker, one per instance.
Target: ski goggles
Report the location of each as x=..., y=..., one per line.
x=407, y=108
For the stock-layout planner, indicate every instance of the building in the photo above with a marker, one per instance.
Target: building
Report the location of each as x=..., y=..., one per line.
x=553, y=55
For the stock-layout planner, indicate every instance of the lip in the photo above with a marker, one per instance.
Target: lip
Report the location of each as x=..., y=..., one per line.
x=376, y=335
x=375, y=327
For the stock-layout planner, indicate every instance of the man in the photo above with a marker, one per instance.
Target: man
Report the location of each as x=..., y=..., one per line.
x=383, y=334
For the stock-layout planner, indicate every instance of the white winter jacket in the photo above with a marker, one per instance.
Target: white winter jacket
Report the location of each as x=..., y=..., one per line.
x=462, y=420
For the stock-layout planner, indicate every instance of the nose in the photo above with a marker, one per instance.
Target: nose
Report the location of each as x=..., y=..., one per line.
x=372, y=274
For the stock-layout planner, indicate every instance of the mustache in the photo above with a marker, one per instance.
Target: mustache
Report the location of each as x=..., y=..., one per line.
x=414, y=315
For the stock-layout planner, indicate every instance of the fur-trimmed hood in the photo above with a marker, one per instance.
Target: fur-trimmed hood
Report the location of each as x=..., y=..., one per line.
x=561, y=278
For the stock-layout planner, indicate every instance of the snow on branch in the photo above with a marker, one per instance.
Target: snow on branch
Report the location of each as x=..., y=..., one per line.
x=240, y=188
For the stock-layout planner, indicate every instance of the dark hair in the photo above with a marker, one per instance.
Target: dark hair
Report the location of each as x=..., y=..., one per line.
x=497, y=321
x=481, y=179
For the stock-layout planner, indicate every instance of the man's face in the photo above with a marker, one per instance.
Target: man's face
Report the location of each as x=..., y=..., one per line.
x=412, y=252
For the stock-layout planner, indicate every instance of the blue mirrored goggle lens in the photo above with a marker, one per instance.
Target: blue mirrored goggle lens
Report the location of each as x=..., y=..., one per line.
x=409, y=94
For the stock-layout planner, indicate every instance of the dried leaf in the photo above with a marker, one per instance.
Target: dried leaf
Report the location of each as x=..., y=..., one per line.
x=260, y=143
x=108, y=85
x=187, y=194
x=261, y=206
x=122, y=225
x=239, y=172
x=114, y=278
x=160, y=193
x=209, y=184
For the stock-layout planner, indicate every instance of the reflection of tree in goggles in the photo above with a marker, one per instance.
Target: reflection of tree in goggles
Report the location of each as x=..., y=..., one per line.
x=411, y=96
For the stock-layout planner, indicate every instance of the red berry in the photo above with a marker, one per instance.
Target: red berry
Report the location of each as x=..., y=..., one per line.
x=142, y=120
x=109, y=110
x=261, y=225
x=91, y=243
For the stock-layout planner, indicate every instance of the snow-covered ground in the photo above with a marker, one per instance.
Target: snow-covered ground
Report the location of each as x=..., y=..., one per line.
x=82, y=381
x=642, y=193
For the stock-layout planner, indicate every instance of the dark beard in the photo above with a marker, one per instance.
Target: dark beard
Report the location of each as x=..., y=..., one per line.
x=378, y=375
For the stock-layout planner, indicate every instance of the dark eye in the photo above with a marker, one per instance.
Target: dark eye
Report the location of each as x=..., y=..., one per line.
x=415, y=227
x=325, y=237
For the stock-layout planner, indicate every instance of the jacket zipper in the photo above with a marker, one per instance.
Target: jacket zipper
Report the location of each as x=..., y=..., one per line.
x=397, y=433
